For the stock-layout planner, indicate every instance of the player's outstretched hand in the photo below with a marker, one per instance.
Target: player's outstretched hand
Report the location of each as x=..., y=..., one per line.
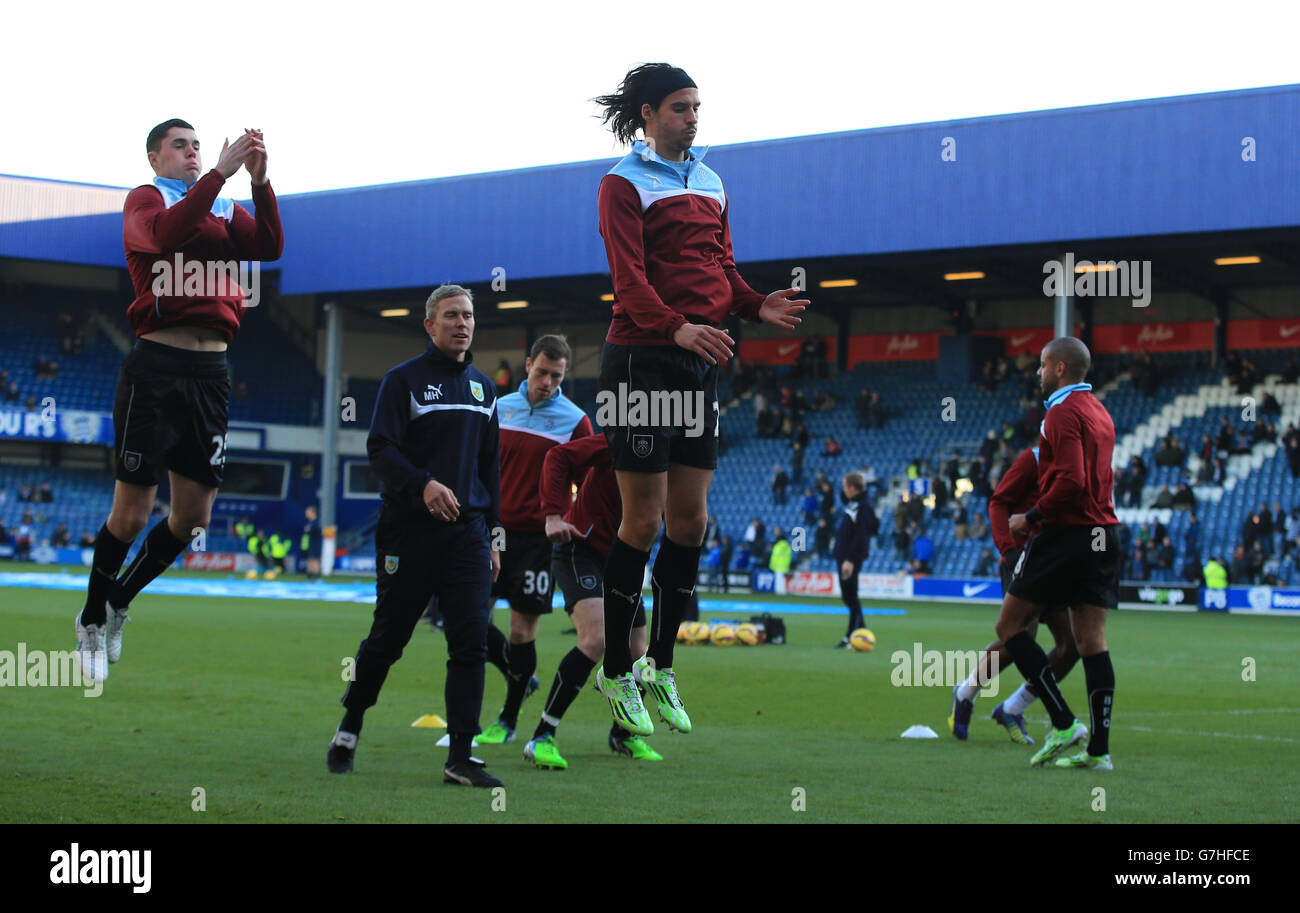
x=441, y=502
x=710, y=343
x=233, y=155
x=256, y=161
x=560, y=531
x=779, y=309
x=1017, y=523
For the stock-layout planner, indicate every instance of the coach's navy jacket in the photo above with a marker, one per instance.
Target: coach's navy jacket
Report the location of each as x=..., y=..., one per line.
x=436, y=418
x=857, y=524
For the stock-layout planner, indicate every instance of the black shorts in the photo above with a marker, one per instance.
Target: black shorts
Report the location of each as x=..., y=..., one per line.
x=1071, y=566
x=580, y=573
x=677, y=391
x=170, y=413
x=526, y=581
x=1006, y=569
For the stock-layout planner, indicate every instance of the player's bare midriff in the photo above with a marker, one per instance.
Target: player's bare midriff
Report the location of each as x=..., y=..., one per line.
x=195, y=339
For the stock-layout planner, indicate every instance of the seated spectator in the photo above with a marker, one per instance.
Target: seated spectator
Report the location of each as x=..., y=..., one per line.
x=779, y=482
x=877, y=410
x=988, y=377
x=922, y=554
x=833, y=448
x=801, y=436
x=939, y=488
x=52, y=370
x=902, y=542
x=808, y=506
x=1170, y=453
x=979, y=477
x=862, y=406
x=1137, y=569
x=11, y=392
x=1184, y=498
x=1248, y=378
x=959, y=521
x=23, y=542
x=41, y=368
x=1165, y=559
x=30, y=404
x=1164, y=500
x=61, y=538
x=87, y=540
x=796, y=462
x=1223, y=442
x=1269, y=405
x=1240, y=571
x=985, y=566
x=979, y=526
x=46, y=494
x=1264, y=433
x=822, y=539
x=25, y=494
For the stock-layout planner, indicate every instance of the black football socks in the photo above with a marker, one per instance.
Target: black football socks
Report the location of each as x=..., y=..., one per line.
x=498, y=650
x=110, y=552
x=672, y=583
x=523, y=663
x=159, y=550
x=570, y=678
x=1099, y=675
x=624, y=573
x=1032, y=663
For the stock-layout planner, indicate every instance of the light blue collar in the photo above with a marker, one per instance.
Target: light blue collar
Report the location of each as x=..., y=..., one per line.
x=173, y=191
x=1059, y=396
x=523, y=388
x=649, y=155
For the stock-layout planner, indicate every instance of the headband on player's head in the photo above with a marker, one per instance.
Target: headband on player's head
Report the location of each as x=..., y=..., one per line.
x=664, y=83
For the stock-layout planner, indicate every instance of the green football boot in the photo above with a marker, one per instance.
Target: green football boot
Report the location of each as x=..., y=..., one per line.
x=496, y=734
x=625, y=703
x=545, y=754
x=661, y=684
x=1083, y=759
x=1057, y=741
x=635, y=747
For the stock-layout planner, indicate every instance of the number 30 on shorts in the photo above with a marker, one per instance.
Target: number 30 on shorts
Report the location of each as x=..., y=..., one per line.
x=537, y=583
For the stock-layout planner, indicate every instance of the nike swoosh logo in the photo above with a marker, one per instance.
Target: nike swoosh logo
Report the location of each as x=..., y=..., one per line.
x=1017, y=341
x=967, y=590
x=1288, y=332
x=786, y=349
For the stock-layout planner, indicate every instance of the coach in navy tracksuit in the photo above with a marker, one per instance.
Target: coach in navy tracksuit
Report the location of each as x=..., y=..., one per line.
x=433, y=444
x=852, y=542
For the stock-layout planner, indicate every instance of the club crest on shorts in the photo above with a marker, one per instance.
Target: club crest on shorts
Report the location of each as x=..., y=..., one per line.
x=587, y=581
x=642, y=444
x=390, y=564
x=477, y=389
x=130, y=461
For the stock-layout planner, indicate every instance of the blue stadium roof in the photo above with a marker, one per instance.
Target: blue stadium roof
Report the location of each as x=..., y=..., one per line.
x=1155, y=167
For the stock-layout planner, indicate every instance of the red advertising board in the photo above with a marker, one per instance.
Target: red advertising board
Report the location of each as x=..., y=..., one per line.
x=1264, y=334
x=1195, y=336
x=779, y=351
x=210, y=561
x=893, y=347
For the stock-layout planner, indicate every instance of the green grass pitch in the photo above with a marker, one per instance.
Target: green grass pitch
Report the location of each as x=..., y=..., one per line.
x=239, y=697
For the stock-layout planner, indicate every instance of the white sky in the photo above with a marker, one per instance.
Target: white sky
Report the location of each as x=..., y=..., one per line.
x=369, y=93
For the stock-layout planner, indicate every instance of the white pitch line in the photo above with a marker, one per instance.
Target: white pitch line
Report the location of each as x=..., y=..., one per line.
x=1217, y=735
x=1209, y=712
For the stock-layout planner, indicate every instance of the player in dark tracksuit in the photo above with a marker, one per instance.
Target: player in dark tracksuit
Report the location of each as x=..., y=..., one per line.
x=852, y=543
x=433, y=444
